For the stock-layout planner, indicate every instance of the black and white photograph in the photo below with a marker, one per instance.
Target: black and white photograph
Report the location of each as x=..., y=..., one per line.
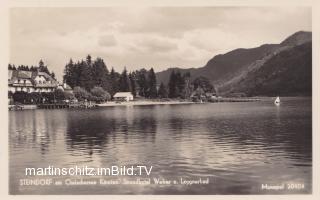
x=160, y=100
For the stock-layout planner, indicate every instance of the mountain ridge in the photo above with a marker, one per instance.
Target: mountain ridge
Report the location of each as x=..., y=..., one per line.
x=226, y=70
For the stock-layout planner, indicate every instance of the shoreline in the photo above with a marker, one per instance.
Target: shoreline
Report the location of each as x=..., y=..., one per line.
x=143, y=103
x=106, y=104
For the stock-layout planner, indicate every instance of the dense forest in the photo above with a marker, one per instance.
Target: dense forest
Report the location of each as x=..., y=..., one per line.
x=288, y=73
x=89, y=73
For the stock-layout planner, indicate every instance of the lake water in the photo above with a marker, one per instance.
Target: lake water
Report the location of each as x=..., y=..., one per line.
x=236, y=146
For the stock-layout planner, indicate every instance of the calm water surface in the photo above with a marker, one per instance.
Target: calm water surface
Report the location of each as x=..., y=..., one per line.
x=238, y=146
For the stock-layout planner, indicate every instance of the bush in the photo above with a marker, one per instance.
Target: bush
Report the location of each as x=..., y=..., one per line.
x=81, y=94
x=10, y=94
x=59, y=95
x=47, y=97
x=36, y=97
x=68, y=95
x=19, y=97
x=27, y=98
x=99, y=94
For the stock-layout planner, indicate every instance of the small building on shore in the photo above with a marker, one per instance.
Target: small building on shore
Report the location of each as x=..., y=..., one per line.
x=123, y=96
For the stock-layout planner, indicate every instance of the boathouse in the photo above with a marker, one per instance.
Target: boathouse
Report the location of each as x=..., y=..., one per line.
x=123, y=96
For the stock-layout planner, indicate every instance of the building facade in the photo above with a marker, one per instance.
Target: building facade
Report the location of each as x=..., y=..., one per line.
x=123, y=96
x=30, y=81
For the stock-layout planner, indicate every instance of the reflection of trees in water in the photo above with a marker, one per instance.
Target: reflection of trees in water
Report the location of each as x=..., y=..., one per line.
x=135, y=123
x=93, y=131
x=146, y=127
x=176, y=124
x=88, y=134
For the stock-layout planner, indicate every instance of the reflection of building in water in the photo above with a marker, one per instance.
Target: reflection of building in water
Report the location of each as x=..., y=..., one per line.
x=38, y=129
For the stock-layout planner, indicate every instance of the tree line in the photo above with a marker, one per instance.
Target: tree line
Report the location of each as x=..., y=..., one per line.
x=41, y=68
x=89, y=73
x=91, y=80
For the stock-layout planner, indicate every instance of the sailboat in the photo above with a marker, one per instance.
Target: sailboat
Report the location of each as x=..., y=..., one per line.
x=277, y=101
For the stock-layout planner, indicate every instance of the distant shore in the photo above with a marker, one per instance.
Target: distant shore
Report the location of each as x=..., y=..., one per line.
x=142, y=103
x=126, y=103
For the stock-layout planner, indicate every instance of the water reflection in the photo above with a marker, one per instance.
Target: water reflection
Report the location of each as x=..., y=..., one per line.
x=102, y=129
x=238, y=145
x=89, y=135
x=35, y=128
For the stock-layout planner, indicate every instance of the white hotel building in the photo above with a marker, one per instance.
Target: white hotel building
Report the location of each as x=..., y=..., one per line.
x=30, y=81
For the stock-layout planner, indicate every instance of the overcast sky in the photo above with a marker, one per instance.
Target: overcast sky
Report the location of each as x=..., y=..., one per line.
x=146, y=36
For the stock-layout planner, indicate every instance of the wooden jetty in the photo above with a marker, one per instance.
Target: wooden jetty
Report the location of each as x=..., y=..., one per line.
x=21, y=107
x=15, y=107
x=52, y=106
x=65, y=105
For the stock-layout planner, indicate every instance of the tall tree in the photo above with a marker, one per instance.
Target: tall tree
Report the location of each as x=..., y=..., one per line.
x=70, y=76
x=124, y=81
x=188, y=87
x=85, y=76
x=203, y=83
x=142, y=82
x=33, y=68
x=173, y=93
x=100, y=74
x=24, y=67
x=42, y=67
x=53, y=75
x=162, y=92
x=180, y=85
x=89, y=60
x=114, y=81
x=152, y=84
x=132, y=79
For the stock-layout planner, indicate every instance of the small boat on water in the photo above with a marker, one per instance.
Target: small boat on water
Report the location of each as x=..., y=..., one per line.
x=277, y=101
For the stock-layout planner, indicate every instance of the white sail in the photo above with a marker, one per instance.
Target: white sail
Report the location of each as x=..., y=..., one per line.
x=277, y=101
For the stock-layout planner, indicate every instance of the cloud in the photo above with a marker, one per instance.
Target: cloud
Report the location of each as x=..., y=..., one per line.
x=107, y=41
x=156, y=45
x=146, y=36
